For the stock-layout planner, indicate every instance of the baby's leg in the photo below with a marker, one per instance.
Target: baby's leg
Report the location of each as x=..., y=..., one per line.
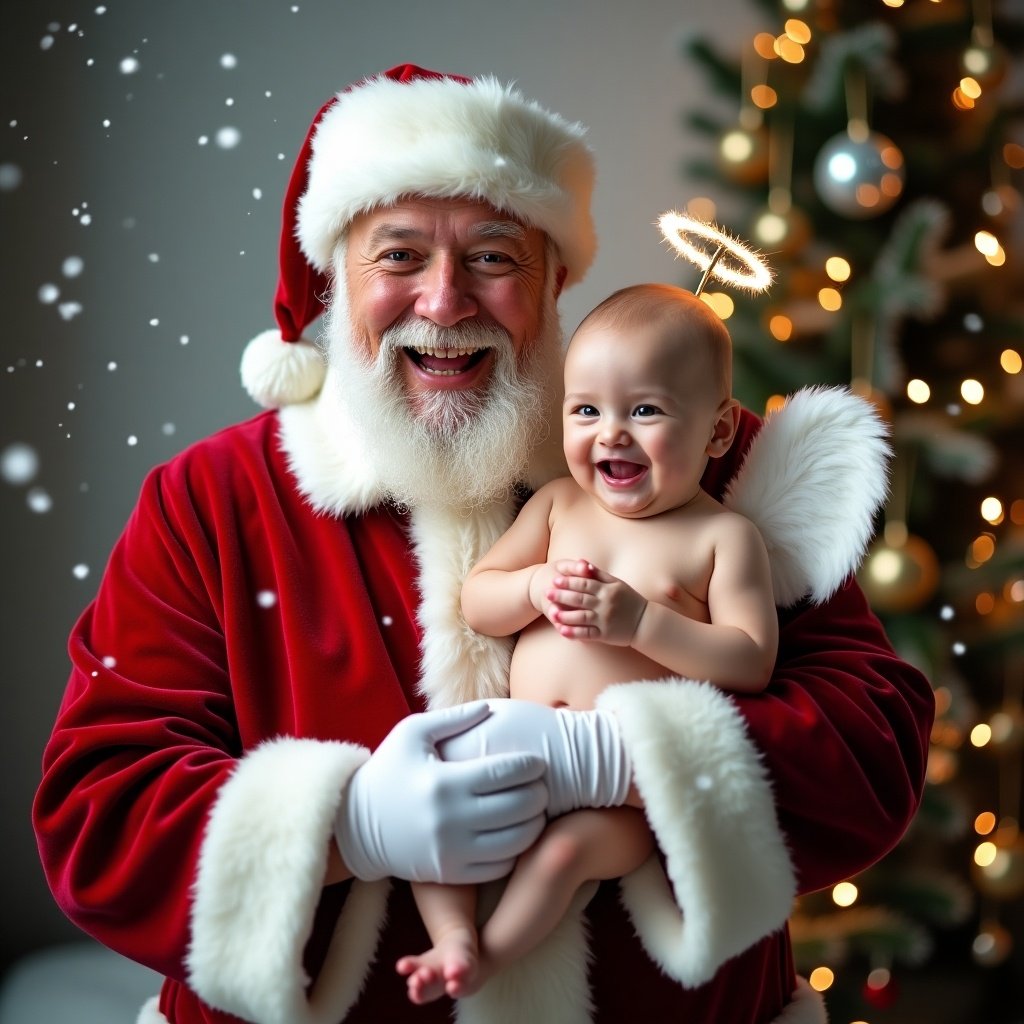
x=582, y=846
x=448, y=911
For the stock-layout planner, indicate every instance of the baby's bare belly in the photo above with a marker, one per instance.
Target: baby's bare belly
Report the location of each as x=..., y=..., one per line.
x=548, y=669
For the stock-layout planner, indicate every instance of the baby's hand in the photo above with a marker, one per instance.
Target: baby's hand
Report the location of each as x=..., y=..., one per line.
x=586, y=603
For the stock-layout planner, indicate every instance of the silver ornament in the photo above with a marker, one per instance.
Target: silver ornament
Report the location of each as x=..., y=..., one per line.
x=859, y=178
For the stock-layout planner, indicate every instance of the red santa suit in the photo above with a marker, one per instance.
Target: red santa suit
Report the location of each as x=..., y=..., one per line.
x=266, y=618
x=263, y=623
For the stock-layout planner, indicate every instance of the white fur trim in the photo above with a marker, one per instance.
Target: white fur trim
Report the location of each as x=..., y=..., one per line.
x=548, y=985
x=458, y=664
x=333, y=470
x=439, y=138
x=276, y=372
x=259, y=881
x=806, y=1007
x=812, y=481
x=150, y=1012
x=710, y=805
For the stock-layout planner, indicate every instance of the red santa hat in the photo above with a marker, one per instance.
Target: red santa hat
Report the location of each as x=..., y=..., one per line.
x=409, y=131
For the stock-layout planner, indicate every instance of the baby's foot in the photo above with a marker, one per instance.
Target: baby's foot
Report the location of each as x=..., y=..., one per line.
x=449, y=968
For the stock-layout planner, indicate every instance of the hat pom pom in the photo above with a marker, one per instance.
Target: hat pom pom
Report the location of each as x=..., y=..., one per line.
x=276, y=372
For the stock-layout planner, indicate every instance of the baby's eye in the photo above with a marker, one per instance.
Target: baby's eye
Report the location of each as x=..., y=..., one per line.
x=646, y=410
x=586, y=410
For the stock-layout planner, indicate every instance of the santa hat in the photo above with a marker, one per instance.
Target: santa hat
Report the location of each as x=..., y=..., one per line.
x=410, y=131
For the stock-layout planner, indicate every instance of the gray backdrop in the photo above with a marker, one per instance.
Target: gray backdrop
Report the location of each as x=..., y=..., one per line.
x=137, y=260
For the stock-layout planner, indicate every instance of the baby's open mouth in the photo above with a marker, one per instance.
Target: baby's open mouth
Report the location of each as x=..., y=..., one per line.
x=621, y=471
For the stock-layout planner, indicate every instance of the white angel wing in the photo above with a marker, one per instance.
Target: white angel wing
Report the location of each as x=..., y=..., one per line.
x=812, y=481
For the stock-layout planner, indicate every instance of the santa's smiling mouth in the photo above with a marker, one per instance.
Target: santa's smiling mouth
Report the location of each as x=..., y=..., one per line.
x=619, y=472
x=446, y=362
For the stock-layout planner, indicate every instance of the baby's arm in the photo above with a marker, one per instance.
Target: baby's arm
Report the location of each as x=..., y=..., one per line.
x=505, y=590
x=736, y=650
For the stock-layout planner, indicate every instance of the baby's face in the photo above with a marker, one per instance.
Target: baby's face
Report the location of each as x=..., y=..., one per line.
x=638, y=417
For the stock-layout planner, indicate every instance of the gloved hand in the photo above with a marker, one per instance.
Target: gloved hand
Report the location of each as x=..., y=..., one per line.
x=587, y=762
x=409, y=814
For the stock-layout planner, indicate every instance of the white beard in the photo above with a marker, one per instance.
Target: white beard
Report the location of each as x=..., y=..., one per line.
x=455, y=448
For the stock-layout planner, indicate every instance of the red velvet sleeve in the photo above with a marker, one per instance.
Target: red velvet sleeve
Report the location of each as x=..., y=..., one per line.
x=843, y=730
x=143, y=739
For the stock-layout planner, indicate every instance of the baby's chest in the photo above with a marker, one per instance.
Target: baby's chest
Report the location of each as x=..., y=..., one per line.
x=667, y=564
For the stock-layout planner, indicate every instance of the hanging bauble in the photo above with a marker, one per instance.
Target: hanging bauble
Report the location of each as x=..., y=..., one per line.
x=783, y=234
x=880, y=990
x=1002, y=877
x=899, y=577
x=992, y=945
x=859, y=178
x=986, y=64
x=1002, y=203
x=743, y=155
x=1007, y=727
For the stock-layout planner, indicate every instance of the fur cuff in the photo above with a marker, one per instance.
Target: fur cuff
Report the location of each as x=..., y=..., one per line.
x=261, y=870
x=711, y=808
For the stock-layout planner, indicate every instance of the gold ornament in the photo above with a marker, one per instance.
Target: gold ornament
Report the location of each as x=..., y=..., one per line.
x=992, y=945
x=899, y=577
x=784, y=233
x=1007, y=727
x=743, y=154
x=1002, y=877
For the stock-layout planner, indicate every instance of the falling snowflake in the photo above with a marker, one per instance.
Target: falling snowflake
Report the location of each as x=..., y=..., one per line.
x=228, y=60
x=39, y=500
x=72, y=266
x=69, y=310
x=19, y=463
x=228, y=137
x=129, y=65
x=109, y=662
x=10, y=177
x=80, y=571
x=266, y=598
x=48, y=293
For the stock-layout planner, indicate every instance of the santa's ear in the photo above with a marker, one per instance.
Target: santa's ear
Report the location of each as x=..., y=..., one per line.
x=727, y=420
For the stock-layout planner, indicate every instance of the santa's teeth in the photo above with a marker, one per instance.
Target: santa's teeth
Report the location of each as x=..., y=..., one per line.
x=446, y=353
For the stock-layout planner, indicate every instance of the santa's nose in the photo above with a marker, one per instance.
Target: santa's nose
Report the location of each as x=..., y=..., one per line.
x=445, y=295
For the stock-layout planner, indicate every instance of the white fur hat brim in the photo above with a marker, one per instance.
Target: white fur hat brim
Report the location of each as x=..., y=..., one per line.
x=442, y=138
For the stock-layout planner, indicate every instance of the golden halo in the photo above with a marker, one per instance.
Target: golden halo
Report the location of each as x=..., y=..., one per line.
x=714, y=252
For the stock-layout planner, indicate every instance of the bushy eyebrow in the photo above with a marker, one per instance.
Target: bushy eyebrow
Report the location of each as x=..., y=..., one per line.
x=500, y=229
x=386, y=232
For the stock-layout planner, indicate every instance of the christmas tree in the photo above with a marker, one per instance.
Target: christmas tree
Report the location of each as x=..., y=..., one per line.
x=874, y=152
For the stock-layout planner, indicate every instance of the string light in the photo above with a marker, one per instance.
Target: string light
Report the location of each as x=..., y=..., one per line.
x=980, y=736
x=985, y=854
x=992, y=510
x=984, y=603
x=972, y=392
x=845, y=894
x=821, y=979
x=1010, y=360
x=918, y=391
x=720, y=302
x=984, y=823
x=830, y=299
x=780, y=327
x=837, y=268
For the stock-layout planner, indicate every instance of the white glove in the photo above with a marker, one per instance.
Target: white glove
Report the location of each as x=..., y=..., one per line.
x=409, y=814
x=587, y=762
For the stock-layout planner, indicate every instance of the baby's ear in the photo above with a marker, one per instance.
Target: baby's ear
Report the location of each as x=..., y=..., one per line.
x=727, y=420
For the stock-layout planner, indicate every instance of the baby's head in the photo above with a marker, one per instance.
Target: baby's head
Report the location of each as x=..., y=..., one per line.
x=648, y=398
x=668, y=317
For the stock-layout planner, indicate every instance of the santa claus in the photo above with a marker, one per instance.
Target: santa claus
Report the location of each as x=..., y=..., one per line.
x=249, y=762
